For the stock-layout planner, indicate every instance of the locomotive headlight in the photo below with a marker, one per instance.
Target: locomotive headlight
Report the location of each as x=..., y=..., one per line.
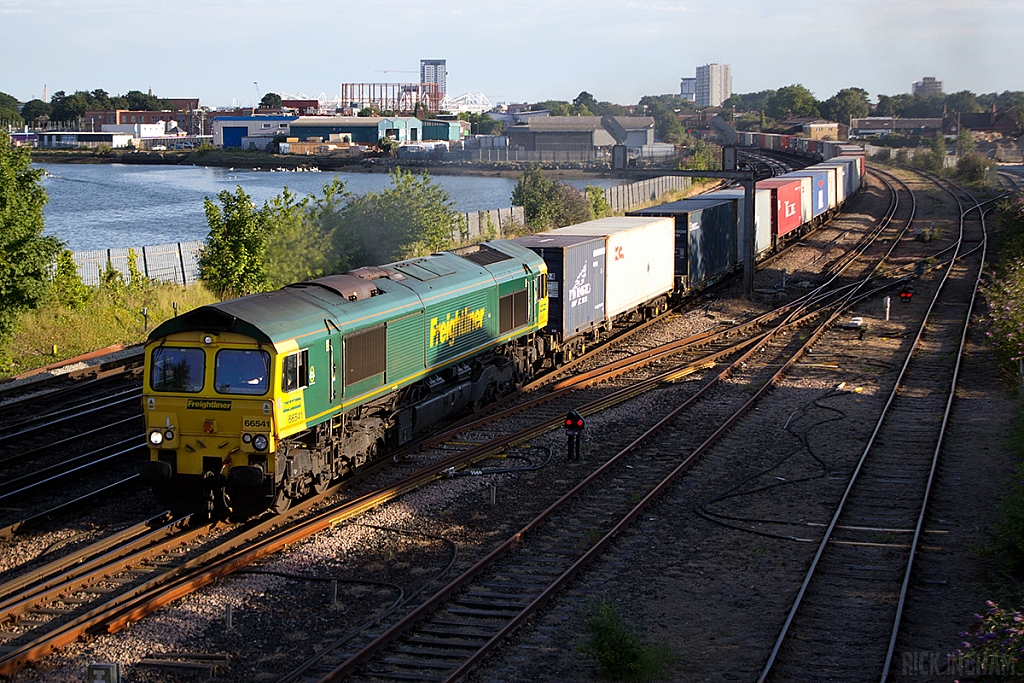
x=156, y=438
x=208, y=339
x=260, y=442
x=169, y=435
x=246, y=438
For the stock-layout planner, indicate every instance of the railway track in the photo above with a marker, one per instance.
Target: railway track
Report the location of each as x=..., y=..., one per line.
x=454, y=630
x=168, y=582
x=849, y=605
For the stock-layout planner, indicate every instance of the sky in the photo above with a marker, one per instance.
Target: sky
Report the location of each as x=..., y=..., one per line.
x=233, y=51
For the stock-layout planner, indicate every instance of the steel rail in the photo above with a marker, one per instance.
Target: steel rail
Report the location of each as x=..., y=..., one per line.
x=854, y=476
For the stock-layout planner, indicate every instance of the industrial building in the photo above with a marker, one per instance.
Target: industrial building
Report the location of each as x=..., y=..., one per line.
x=365, y=130
x=249, y=132
x=578, y=133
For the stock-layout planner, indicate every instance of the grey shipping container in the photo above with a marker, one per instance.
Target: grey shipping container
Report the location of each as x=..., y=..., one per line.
x=576, y=281
x=706, y=244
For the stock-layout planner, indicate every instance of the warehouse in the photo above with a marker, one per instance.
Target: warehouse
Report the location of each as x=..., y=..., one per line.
x=578, y=133
x=228, y=131
x=365, y=130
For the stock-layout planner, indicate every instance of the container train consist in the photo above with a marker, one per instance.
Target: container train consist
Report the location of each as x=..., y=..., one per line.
x=253, y=403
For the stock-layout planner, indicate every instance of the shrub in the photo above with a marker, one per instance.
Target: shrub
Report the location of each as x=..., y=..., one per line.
x=619, y=651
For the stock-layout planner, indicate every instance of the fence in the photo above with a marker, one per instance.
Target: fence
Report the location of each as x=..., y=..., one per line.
x=911, y=152
x=179, y=262
x=625, y=197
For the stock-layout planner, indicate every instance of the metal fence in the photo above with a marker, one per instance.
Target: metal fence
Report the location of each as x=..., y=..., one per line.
x=179, y=262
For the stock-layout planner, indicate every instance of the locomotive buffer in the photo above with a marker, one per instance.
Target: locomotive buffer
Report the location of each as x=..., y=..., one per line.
x=733, y=169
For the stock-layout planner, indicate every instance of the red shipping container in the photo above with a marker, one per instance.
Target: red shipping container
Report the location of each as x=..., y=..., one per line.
x=786, y=209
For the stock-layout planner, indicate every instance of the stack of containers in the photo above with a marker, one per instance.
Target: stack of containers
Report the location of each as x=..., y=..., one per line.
x=638, y=259
x=705, y=237
x=785, y=205
x=849, y=170
x=762, y=218
x=576, y=279
x=817, y=198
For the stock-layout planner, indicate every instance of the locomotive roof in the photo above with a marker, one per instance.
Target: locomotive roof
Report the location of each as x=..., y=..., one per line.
x=303, y=309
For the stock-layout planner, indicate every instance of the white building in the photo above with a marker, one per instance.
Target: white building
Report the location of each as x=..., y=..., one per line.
x=434, y=71
x=713, y=85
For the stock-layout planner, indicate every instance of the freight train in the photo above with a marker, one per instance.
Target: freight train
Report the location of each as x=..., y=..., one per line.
x=253, y=403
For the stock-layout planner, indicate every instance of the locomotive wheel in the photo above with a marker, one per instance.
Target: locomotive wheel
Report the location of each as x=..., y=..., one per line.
x=320, y=483
x=281, y=503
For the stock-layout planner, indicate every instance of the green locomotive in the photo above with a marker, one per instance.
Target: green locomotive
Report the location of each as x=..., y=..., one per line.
x=253, y=403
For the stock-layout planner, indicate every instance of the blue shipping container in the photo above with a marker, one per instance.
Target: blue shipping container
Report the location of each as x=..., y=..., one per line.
x=819, y=188
x=706, y=243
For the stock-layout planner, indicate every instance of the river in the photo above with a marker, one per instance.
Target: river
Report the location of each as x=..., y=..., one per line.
x=105, y=206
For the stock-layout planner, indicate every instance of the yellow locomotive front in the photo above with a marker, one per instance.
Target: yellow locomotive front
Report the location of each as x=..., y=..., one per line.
x=209, y=410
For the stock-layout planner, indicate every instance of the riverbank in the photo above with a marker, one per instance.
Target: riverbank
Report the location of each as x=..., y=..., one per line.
x=255, y=160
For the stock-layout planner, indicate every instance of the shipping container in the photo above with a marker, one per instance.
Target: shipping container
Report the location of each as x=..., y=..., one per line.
x=786, y=209
x=849, y=172
x=576, y=280
x=639, y=261
x=762, y=218
x=819, y=190
x=705, y=235
x=856, y=169
x=806, y=212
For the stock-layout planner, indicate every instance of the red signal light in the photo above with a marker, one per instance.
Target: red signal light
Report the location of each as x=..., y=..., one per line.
x=568, y=423
x=579, y=423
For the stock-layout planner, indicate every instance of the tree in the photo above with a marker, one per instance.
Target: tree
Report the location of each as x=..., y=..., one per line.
x=666, y=124
x=963, y=102
x=547, y=204
x=233, y=261
x=792, y=100
x=301, y=231
x=270, y=101
x=972, y=166
x=482, y=124
x=25, y=254
x=141, y=101
x=937, y=157
x=755, y=101
x=414, y=216
x=9, y=110
x=34, y=109
x=599, y=206
x=964, y=142
x=848, y=103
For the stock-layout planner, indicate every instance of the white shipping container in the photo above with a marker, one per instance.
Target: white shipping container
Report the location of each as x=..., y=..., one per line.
x=841, y=170
x=806, y=200
x=640, y=258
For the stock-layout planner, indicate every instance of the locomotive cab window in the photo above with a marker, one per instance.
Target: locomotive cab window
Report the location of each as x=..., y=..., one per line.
x=295, y=371
x=542, y=286
x=241, y=371
x=177, y=369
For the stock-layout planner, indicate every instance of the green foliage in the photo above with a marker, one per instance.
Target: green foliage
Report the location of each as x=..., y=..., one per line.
x=992, y=647
x=964, y=102
x=937, y=158
x=749, y=102
x=25, y=255
x=971, y=167
x=792, y=101
x=388, y=146
x=414, y=216
x=1004, y=291
x=232, y=262
x=965, y=142
x=619, y=651
x=33, y=109
x=703, y=156
x=599, y=206
x=547, y=204
x=666, y=125
x=66, y=107
x=270, y=101
x=848, y=103
x=300, y=234
x=9, y=110
x=482, y=124
x=68, y=289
